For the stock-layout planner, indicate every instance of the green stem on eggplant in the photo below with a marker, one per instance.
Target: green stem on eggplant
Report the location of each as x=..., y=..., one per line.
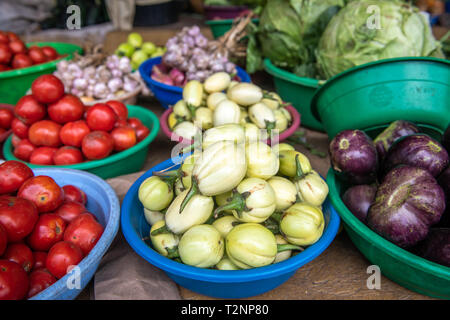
x=276, y=216
x=172, y=253
x=299, y=172
x=270, y=126
x=169, y=177
x=272, y=225
x=161, y=230
x=237, y=203
x=269, y=96
x=286, y=247
x=192, y=192
x=192, y=110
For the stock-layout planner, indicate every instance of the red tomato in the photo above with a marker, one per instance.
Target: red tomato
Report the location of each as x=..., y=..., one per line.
x=61, y=257
x=47, y=89
x=97, y=145
x=36, y=55
x=84, y=231
x=135, y=122
x=4, y=37
x=19, y=128
x=4, y=67
x=72, y=193
x=121, y=123
x=72, y=133
x=101, y=117
x=43, y=191
x=18, y=216
x=5, y=54
x=12, y=175
x=119, y=109
x=21, y=60
x=15, y=140
x=49, y=229
x=39, y=259
x=6, y=117
x=68, y=108
x=40, y=279
x=67, y=155
x=12, y=36
x=13, y=281
x=21, y=254
x=124, y=138
x=69, y=210
x=45, y=133
x=3, y=240
x=141, y=133
x=24, y=150
x=17, y=46
x=43, y=156
x=50, y=52
x=29, y=110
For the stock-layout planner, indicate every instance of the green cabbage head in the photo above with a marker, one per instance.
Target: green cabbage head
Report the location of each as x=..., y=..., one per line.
x=352, y=37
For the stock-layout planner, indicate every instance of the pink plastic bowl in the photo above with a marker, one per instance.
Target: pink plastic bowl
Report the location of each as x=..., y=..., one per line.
x=283, y=136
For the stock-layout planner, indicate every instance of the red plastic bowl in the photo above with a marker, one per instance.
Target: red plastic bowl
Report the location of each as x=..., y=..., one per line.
x=283, y=136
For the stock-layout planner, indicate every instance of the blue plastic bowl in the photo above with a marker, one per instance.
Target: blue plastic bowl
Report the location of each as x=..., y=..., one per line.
x=101, y=201
x=169, y=95
x=217, y=283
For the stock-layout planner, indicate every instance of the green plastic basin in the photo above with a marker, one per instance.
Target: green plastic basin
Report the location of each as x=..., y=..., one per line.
x=124, y=162
x=221, y=26
x=15, y=83
x=299, y=91
x=377, y=93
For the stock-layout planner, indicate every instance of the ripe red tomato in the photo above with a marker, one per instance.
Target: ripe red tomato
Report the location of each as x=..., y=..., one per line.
x=61, y=257
x=119, y=109
x=142, y=132
x=68, y=108
x=84, y=231
x=72, y=193
x=3, y=240
x=6, y=117
x=121, y=123
x=29, y=110
x=50, y=52
x=49, y=229
x=21, y=254
x=4, y=67
x=19, y=128
x=101, y=117
x=15, y=140
x=36, y=55
x=5, y=54
x=4, y=37
x=12, y=175
x=67, y=155
x=72, y=133
x=17, y=46
x=40, y=279
x=43, y=156
x=124, y=138
x=21, y=60
x=97, y=145
x=135, y=122
x=39, y=259
x=18, y=216
x=47, y=89
x=13, y=281
x=69, y=210
x=12, y=36
x=24, y=150
x=43, y=191
x=45, y=133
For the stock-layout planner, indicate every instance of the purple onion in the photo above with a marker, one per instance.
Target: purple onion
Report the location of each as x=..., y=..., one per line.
x=354, y=157
x=407, y=203
x=359, y=198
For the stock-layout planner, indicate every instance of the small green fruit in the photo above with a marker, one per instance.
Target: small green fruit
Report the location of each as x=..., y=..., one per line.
x=149, y=48
x=125, y=49
x=135, y=39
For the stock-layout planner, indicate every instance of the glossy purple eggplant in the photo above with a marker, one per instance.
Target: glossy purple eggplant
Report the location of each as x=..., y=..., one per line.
x=407, y=203
x=444, y=182
x=394, y=131
x=418, y=150
x=436, y=247
x=446, y=139
x=354, y=157
x=359, y=198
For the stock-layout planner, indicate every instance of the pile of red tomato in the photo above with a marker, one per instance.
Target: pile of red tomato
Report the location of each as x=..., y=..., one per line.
x=14, y=54
x=45, y=230
x=54, y=128
x=6, y=117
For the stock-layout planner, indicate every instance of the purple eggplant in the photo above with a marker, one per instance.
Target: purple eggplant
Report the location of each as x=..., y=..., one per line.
x=407, y=203
x=396, y=130
x=444, y=182
x=359, y=198
x=436, y=247
x=354, y=157
x=446, y=139
x=418, y=150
